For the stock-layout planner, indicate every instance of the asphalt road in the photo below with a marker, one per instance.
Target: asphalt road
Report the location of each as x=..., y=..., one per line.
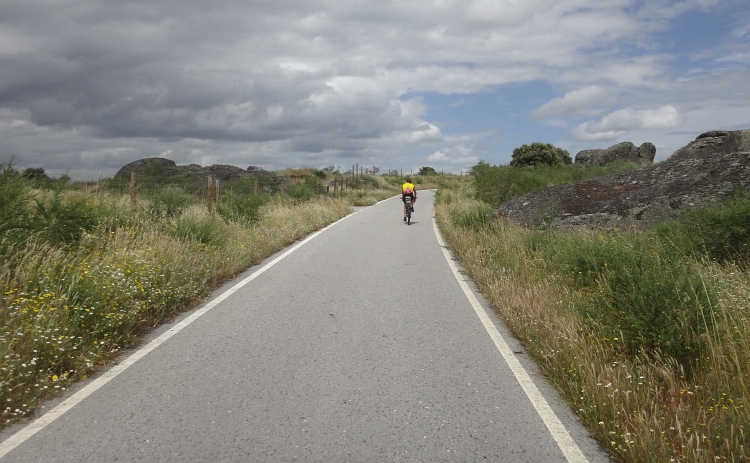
x=360, y=345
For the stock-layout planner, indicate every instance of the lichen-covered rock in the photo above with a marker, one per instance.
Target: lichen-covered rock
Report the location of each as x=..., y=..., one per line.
x=705, y=171
x=153, y=171
x=162, y=165
x=641, y=155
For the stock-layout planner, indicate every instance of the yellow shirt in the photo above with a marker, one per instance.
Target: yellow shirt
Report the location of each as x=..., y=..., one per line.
x=407, y=188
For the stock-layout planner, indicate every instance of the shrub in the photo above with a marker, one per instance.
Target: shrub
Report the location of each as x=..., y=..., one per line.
x=14, y=196
x=721, y=232
x=246, y=185
x=62, y=219
x=475, y=216
x=498, y=184
x=640, y=296
x=539, y=153
x=301, y=192
x=170, y=201
x=207, y=231
x=427, y=170
x=241, y=208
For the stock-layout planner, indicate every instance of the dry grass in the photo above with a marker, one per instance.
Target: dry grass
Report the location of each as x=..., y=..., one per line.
x=639, y=407
x=66, y=310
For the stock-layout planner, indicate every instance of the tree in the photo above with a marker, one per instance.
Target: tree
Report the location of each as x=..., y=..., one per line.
x=427, y=170
x=34, y=173
x=539, y=153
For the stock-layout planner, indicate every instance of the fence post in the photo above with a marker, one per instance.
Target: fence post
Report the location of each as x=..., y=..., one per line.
x=282, y=188
x=218, y=191
x=328, y=188
x=132, y=188
x=255, y=187
x=210, y=194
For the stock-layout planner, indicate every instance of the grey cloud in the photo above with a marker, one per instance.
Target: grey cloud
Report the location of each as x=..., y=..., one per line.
x=109, y=81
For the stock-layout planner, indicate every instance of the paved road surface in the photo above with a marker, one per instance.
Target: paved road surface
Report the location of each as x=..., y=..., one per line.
x=358, y=346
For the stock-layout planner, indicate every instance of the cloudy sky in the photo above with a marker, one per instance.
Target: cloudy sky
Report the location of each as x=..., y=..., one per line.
x=87, y=86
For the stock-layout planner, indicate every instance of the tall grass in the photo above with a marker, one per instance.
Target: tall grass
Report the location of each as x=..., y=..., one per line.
x=649, y=346
x=84, y=276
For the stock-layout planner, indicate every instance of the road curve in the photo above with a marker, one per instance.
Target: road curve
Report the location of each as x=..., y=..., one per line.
x=360, y=345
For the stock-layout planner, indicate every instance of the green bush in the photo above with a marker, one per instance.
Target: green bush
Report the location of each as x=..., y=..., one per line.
x=60, y=219
x=301, y=192
x=498, y=184
x=208, y=231
x=170, y=201
x=721, y=232
x=477, y=216
x=246, y=185
x=640, y=295
x=539, y=154
x=241, y=208
x=14, y=196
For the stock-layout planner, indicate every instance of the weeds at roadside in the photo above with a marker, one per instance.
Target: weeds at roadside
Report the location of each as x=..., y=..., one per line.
x=84, y=276
x=647, y=344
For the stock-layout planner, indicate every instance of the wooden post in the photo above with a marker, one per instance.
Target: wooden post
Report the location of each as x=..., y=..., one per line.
x=328, y=188
x=132, y=188
x=282, y=188
x=334, y=185
x=218, y=191
x=210, y=194
x=357, y=170
x=255, y=187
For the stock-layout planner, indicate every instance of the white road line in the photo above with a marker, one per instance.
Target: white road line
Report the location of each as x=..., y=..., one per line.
x=566, y=443
x=43, y=421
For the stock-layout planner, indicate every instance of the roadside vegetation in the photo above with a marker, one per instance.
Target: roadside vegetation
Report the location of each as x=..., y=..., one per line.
x=84, y=273
x=645, y=334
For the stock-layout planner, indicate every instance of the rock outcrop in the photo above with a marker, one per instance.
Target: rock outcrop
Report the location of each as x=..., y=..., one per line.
x=707, y=170
x=168, y=171
x=641, y=155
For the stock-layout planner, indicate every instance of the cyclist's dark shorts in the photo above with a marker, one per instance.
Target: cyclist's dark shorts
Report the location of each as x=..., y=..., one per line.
x=403, y=197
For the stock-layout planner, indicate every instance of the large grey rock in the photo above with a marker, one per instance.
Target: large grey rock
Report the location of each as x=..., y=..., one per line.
x=642, y=155
x=707, y=170
x=154, y=170
x=166, y=166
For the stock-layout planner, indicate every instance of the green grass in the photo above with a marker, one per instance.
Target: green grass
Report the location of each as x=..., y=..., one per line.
x=86, y=275
x=647, y=340
x=497, y=184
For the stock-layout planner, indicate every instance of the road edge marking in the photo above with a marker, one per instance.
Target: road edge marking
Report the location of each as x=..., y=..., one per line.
x=564, y=441
x=48, y=418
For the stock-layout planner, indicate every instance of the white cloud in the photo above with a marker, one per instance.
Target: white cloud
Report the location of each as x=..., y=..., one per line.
x=575, y=103
x=620, y=122
x=459, y=155
x=313, y=81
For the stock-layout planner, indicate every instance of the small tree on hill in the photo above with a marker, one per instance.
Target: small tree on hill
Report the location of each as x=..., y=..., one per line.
x=540, y=153
x=427, y=170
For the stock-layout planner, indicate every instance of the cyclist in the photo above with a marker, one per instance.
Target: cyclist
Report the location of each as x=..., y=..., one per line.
x=408, y=189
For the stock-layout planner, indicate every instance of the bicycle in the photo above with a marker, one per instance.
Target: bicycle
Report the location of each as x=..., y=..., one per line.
x=409, y=209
